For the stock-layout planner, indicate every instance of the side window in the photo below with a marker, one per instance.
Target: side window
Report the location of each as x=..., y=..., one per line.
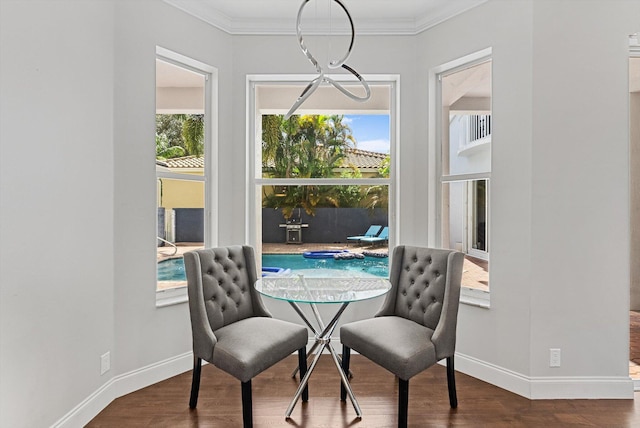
x=183, y=156
x=465, y=167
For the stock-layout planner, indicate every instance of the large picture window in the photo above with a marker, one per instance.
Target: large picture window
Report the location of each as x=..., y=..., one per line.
x=322, y=177
x=465, y=167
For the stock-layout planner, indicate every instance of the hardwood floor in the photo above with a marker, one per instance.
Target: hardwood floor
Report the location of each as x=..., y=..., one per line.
x=634, y=345
x=165, y=404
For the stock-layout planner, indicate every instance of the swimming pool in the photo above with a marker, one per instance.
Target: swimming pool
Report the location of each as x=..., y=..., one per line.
x=173, y=269
x=372, y=265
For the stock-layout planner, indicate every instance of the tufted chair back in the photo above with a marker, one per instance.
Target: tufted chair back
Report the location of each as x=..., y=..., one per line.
x=220, y=287
x=426, y=284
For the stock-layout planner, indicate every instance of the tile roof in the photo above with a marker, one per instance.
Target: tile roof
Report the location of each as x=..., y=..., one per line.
x=183, y=162
x=355, y=157
x=364, y=159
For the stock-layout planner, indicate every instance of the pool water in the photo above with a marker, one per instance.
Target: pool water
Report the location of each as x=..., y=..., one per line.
x=372, y=265
x=173, y=269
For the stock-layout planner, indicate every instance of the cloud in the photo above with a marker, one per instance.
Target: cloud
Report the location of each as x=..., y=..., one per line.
x=347, y=120
x=378, y=146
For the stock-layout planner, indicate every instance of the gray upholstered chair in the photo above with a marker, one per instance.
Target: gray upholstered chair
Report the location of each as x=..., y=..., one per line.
x=416, y=326
x=231, y=327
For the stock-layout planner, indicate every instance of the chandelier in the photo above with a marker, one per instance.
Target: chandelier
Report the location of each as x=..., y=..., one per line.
x=335, y=64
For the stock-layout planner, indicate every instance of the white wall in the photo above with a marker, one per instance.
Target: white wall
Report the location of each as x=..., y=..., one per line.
x=56, y=206
x=560, y=222
x=144, y=334
x=78, y=202
x=498, y=336
x=580, y=188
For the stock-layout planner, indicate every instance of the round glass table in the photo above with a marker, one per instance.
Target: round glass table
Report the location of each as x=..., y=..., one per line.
x=320, y=286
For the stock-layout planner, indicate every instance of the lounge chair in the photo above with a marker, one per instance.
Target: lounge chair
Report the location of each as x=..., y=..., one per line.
x=370, y=233
x=382, y=237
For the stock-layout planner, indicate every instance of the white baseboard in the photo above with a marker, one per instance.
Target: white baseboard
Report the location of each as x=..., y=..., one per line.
x=129, y=382
x=539, y=388
x=124, y=384
x=576, y=387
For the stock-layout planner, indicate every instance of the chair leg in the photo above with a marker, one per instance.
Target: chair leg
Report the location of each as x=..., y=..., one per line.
x=346, y=357
x=451, y=382
x=302, y=366
x=195, y=382
x=403, y=402
x=247, y=406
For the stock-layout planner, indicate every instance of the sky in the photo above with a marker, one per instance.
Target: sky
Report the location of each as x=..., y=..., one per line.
x=371, y=131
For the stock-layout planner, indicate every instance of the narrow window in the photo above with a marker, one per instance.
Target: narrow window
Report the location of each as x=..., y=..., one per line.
x=183, y=157
x=465, y=167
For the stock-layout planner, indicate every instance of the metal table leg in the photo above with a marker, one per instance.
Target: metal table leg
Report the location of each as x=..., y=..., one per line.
x=317, y=334
x=323, y=340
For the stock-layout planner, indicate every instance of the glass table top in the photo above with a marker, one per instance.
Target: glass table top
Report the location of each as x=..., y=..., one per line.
x=323, y=286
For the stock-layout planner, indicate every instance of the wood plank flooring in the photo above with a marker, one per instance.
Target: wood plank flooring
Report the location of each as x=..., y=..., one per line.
x=634, y=345
x=165, y=404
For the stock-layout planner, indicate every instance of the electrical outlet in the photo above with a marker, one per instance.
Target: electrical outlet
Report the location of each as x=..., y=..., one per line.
x=105, y=363
x=554, y=357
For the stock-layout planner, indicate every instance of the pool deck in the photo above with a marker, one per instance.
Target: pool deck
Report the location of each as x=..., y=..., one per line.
x=301, y=248
x=165, y=253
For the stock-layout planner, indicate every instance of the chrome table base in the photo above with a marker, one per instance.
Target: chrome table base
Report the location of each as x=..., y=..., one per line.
x=322, y=342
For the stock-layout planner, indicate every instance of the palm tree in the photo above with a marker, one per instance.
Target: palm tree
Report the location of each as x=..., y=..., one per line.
x=180, y=130
x=166, y=151
x=193, y=134
x=303, y=147
x=378, y=196
x=271, y=137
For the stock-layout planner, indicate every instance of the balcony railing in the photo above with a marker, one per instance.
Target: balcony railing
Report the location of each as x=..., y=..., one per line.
x=479, y=127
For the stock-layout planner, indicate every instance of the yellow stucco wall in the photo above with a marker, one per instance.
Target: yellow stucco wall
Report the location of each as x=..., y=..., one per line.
x=180, y=193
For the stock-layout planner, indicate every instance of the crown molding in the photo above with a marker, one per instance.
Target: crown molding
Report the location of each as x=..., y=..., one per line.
x=444, y=13
x=286, y=25
x=204, y=12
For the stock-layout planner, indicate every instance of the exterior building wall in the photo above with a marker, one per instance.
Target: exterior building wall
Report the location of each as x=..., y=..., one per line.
x=634, y=150
x=180, y=193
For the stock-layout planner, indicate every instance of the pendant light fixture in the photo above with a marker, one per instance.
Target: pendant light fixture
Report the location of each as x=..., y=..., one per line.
x=335, y=64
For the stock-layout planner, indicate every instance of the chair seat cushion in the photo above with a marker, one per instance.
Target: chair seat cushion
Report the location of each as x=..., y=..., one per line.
x=247, y=347
x=399, y=345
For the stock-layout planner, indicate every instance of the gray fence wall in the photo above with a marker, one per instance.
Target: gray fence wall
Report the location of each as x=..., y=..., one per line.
x=189, y=222
x=161, y=230
x=328, y=225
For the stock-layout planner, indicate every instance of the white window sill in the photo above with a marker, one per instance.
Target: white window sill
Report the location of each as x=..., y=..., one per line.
x=475, y=297
x=171, y=296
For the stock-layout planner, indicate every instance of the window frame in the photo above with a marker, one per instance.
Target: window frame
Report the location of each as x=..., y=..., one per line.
x=255, y=181
x=469, y=296
x=178, y=295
